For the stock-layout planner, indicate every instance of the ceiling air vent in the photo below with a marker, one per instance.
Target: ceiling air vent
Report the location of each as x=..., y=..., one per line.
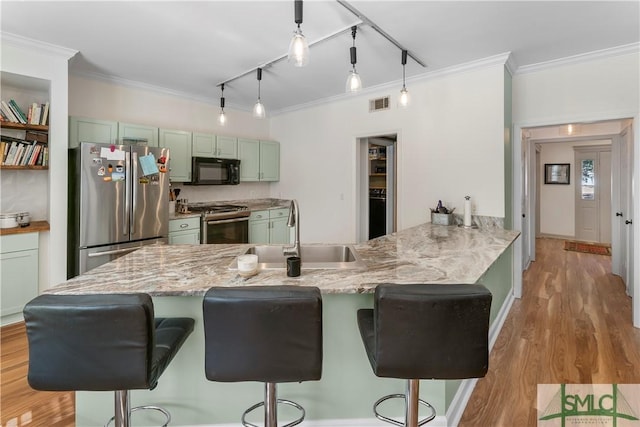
x=378, y=104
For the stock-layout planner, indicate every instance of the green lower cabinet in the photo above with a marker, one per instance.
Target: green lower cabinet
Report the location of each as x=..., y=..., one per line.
x=269, y=226
x=18, y=274
x=184, y=231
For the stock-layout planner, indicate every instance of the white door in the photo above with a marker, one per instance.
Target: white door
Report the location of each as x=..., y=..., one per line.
x=626, y=210
x=604, y=185
x=587, y=208
x=593, y=194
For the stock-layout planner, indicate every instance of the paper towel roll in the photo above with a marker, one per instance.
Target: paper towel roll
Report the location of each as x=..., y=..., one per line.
x=467, y=211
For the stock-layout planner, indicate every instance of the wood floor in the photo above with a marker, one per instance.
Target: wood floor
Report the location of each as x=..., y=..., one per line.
x=19, y=404
x=573, y=325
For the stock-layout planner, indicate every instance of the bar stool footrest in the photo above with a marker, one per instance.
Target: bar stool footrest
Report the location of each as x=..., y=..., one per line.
x=283, y=401
x=150, y=408
x=425, y=420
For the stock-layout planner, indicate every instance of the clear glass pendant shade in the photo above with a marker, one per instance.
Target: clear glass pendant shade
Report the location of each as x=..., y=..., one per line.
x=404, y=97
x=222, y=118
x=298, y=49
x=354, y=84
x=258, y=110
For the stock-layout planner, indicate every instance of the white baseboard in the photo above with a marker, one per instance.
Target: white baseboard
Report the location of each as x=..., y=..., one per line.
x=438, y=421
x=461, y=398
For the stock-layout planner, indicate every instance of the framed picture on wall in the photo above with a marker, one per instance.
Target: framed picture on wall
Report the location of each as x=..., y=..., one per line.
x=556, y=173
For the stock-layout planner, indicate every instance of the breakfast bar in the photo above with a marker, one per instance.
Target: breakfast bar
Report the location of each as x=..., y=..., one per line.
x=177, y=277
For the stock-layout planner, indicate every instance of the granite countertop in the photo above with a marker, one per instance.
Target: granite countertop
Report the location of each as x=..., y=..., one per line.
x=422, y=254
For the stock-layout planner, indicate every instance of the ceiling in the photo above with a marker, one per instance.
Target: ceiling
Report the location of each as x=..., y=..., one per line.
x=188, y=48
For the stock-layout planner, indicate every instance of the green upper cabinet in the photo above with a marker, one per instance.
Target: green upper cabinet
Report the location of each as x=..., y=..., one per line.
x=249, y=155
x=130, y=134
x=82, y=129
x=209, y=145
x=259, y=160
x=269, y=161
x=227, y=147
x=179, y=144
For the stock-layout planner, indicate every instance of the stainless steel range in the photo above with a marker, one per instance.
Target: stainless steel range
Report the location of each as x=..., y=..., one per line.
x=222, y=223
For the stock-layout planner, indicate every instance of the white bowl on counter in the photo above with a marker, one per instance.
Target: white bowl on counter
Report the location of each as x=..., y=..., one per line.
x=12, y=220
x=247, y=265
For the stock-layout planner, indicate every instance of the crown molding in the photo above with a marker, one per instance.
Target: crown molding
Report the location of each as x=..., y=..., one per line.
x=134, y=84
x=583, y=57
x=490, y=61
x=21, y=42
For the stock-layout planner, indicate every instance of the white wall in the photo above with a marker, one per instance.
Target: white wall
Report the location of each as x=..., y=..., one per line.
x=557, y=213
x=111, y=101
x=450, y=144
x=47, y=62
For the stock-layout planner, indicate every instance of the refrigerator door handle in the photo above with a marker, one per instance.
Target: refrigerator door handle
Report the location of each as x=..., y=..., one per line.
x=134, y=189
x=127, y=195
x=113, y=252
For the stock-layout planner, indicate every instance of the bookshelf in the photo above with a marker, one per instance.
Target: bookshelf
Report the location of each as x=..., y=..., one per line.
x=24, y=127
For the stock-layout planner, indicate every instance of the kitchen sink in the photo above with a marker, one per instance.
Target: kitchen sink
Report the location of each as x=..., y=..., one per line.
x=330, y=257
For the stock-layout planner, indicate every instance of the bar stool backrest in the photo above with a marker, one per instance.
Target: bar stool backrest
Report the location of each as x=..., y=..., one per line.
x=90, y=342
x=431, y=331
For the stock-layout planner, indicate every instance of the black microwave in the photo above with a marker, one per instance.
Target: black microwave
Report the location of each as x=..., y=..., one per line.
x=213, y=171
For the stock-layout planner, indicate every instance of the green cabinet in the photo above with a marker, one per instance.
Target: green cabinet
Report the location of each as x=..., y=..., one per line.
x=179, y=144
x=132, y=134
x=259, y=160
x=18, y=274
x=82, y=129
x=209, y=145
x=269, y=226
x=184, y=231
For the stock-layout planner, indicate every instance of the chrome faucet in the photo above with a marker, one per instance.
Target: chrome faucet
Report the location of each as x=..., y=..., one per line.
x=293, y=221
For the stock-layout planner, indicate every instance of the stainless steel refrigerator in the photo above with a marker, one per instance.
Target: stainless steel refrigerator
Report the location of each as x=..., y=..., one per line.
x=118, y=201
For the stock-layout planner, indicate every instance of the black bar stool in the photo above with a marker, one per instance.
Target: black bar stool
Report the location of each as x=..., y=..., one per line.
x=271, y=334
x=426, y=331
x=106, y=342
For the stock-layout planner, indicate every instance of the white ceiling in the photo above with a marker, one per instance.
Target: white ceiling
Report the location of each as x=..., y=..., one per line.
x=190, y=47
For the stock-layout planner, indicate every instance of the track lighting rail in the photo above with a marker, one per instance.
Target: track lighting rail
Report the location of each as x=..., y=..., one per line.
x=362, y=20
x=365, y=20
x=284, y=57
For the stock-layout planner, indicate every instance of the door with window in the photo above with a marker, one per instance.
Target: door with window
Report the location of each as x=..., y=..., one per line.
x=593, y=193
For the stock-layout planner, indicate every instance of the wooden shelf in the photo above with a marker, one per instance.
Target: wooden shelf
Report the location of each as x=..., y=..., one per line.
x=33, y=227
x=14, y=167
x=377, y=174
x=20, y=126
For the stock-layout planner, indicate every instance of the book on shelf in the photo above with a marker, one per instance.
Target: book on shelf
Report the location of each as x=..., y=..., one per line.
x=22, y=117
x=8, y=112
x=37, y=114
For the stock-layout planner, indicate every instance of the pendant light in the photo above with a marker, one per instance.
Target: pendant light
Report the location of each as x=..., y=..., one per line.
x=298, y=48
x=222, y=117
x=404, y=93
x=258, y=109
x=354, y=84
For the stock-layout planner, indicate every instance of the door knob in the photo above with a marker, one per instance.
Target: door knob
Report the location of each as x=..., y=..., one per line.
x=618, y=213
x=628, y=221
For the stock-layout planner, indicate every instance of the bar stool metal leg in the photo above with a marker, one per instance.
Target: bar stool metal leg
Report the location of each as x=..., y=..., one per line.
x=271, y=409
x=270, y=405
x=123, y=411
x=412, y=404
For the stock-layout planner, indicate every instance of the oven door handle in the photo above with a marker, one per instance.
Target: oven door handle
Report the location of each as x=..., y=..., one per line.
x=223, y=221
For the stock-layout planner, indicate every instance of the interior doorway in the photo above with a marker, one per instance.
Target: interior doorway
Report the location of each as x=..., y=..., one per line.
x=619, y=135
x=377, y=186
x=593, y=194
